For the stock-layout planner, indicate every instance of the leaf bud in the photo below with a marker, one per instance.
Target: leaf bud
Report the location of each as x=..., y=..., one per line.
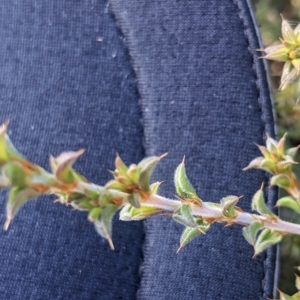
x=281, y=180
x=15, y=173
x=183, y=215
x=255, y=163
x=130, y=213
x=259, y=204
x=228, y=206
x=182, y=184
x=289, y=202
x=266, y=239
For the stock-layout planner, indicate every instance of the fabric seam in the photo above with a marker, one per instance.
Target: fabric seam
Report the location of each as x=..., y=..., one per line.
x=125, y=41
x=264, y=122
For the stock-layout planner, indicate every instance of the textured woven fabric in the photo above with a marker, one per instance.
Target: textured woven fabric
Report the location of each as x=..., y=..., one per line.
x=203, y=95
x=134, y=77
x=66, y=83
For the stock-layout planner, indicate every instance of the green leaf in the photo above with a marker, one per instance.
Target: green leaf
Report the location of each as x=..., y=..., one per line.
x=182, y=184
x=17, y=197
x=154, y=187
x=271, y=144
x=202, y=225
x=62, y=166
x=281, y=145
x=15, y=173
x=251, y=232
x=264, y=151
x=146, y=167
x=134, y=200
x=114, y=184
x=268, y=165
x=187, y=236
x=288, y=33
x=297, y=283
x=133, y=173
x=289, y=202
x=7, y=149
x=228, y=206
x=255, y=163
x=104, y=223
x=284, y=296
x=266, y=239
x=258, y=203
x=130, y=213
x=120, y=166
x=281, y=180
x=292, y=151
x=183, y=215
x=82, y=204
x=94, y=214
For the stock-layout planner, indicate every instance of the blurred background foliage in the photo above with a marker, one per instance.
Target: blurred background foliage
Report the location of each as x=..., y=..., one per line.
x=287, y=107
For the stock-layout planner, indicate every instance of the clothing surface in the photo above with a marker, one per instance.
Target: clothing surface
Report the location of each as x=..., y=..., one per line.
x=138, y=78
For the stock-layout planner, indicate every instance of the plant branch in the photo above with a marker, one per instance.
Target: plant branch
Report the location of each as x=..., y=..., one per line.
x=211, y=211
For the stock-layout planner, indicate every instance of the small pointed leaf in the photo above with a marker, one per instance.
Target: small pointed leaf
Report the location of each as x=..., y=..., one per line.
x=114, y=184
x=103, y=223
x=120, y=166
x=271, y=144
x=15, y=173
x=281, y=180
x=292, y=151
x=228, y=204
x=63, y=170
x=187, y=236
x=291, y=76
x=281, y=145
x=264, y=151
x=259, y=204
x=130, y=213
x=134, y=200
x=288, y=33
x=146, y=167
x=266, y=239
x=297, y=282
x=202, y=225
x=133, y=173
x=184, y=216
x=84, y=205
x=17, y=197
x=284, y=296
x=182, y=184
x=251, y=231
x=7, y=149
x=286, y=70
x=289, y=202
x=273, y=48
x=255, y=163
x=154, y=187
x=278, y=55
x=268, y=165
x=94, y=214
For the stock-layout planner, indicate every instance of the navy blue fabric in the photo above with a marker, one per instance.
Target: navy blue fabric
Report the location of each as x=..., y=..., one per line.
x=134, y=77
x=66, y=83
x=204, y=95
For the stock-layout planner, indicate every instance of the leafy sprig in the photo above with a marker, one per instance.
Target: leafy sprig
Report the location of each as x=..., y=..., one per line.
x=131, y=191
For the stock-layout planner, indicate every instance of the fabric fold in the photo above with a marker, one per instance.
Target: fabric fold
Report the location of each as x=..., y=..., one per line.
x=204, y=94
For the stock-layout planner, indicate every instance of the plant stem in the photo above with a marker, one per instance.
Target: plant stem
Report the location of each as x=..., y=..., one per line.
x=213, y=212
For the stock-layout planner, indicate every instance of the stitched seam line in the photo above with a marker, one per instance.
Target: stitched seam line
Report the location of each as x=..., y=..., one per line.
x=121, y=28
x=262, y=113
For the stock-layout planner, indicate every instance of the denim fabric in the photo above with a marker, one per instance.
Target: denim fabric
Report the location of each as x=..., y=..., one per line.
x=134, y=77
x=204, y=94
x=66, y=84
